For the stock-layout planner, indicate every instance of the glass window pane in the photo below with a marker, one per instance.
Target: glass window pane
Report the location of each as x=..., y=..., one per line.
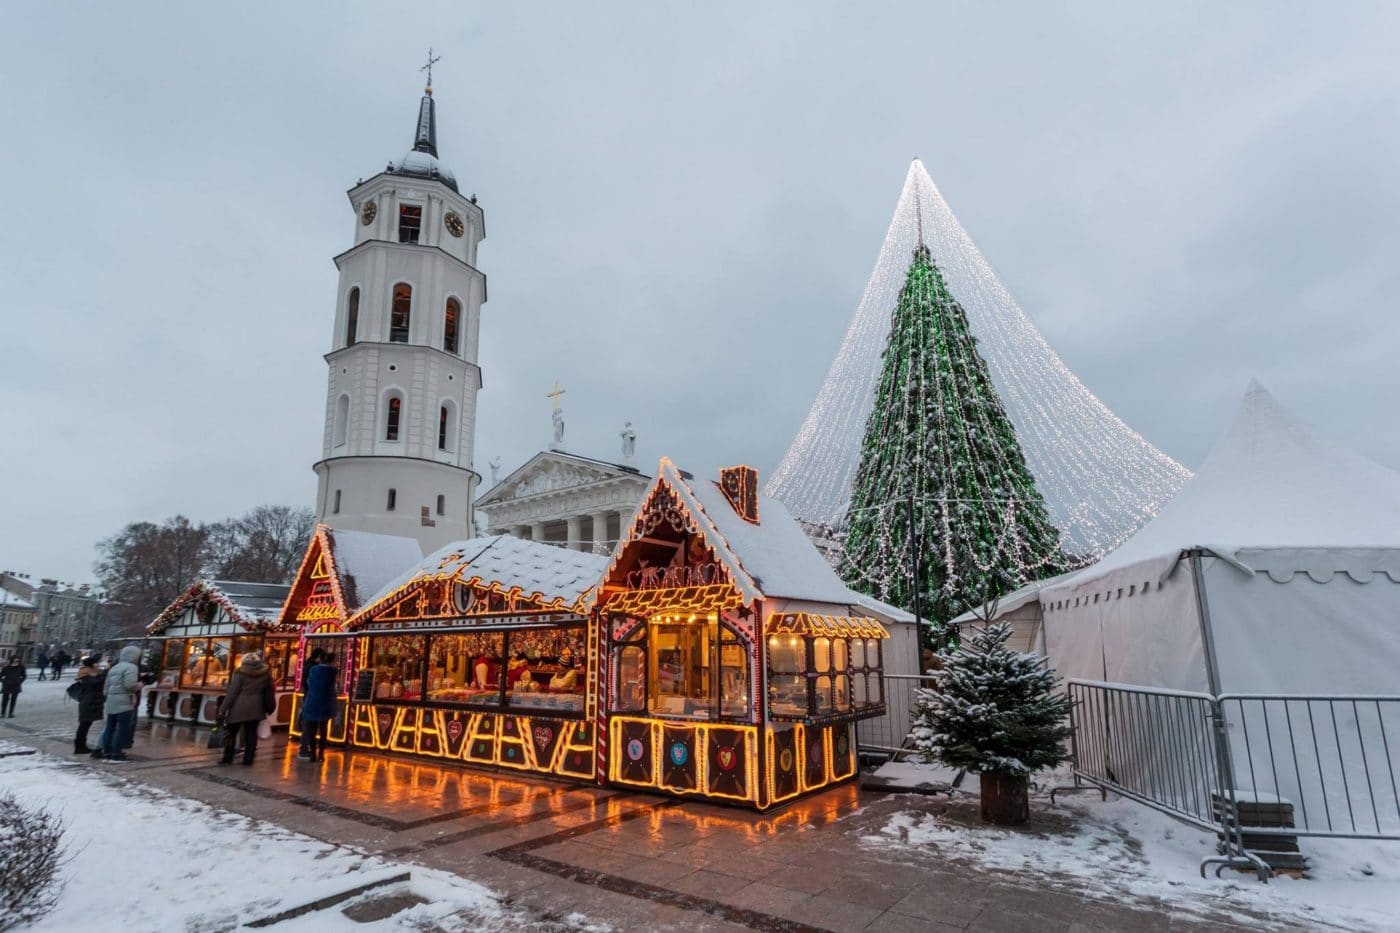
x=173, y=660
x=872, y=652
x=217, y=668
x=821, y=654
x=397, y=662
x=838, y=654
x=823, y=698
x=860, y=687
x=733, y=679
x=196, y=661
x=679, y=668
x=787, y=695
x=548, y=669
x=786, y=654
x=842, y=693
x=281, y=657
x=629, y=685
x=466, y=668
x=242, y=644
x=857, y=652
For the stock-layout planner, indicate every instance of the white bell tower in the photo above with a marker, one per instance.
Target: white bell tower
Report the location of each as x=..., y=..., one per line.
x=401, y=398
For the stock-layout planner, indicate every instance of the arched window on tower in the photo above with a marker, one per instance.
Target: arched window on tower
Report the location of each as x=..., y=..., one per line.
x=342, y=421
x=445, y=426
x=352, y=316
x=441, y=504
x=451, y=325
x=392, y=501
x=392, y=417
x=400, y=313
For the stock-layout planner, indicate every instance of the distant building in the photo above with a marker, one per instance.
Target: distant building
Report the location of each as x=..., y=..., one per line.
x=18, y=623
x=66, y=614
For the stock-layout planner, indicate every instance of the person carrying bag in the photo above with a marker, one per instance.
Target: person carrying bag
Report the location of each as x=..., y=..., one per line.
x=250, y=698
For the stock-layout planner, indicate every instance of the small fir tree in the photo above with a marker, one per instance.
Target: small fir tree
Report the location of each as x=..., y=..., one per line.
x=939, y=436
x=994, y=711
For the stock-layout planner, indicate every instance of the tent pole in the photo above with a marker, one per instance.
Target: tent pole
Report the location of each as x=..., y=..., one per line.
x=1225, y=768
x=1203, y=614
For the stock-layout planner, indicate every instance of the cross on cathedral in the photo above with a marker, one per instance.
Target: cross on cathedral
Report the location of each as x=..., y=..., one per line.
x=429, y=67
x=554, y=396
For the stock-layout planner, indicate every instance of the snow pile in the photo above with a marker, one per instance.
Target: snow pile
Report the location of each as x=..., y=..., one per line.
x=1122, y=851
x=147, y=860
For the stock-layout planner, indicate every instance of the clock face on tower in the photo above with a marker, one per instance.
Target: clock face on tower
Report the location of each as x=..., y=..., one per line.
x=453, y=223
x=367, y=212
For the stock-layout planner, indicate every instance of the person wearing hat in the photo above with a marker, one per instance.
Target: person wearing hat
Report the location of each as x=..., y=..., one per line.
x=250, y=699
x=87, y=690
x=11, y=676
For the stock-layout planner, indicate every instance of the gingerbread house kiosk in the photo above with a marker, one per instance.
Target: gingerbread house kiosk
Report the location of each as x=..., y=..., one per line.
x=479, y=654
x=734, y=660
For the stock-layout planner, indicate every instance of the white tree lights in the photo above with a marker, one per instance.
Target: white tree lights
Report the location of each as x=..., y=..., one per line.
x=1100, y=478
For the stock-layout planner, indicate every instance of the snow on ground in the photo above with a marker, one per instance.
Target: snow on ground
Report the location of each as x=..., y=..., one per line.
x=148, y=860
x=1122, y=850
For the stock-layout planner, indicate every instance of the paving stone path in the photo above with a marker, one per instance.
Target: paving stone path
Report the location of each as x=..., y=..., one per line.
x=629, y=860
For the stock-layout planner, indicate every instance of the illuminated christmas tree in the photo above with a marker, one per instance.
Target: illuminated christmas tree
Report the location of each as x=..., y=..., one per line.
x=940, y=461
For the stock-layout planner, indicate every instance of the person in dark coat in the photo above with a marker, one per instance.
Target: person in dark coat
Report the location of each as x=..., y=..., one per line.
x=56, y=664
x=43, y=662
x=318, y=708
x=315, y=657
x=88, y=682
x=249, y=699
x=11, y=676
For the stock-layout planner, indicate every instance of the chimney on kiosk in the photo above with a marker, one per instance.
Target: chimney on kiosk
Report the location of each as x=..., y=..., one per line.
x=740, y=486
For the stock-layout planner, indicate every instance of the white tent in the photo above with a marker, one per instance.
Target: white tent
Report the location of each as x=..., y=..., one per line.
x=1272, y=576
x=1276, y=569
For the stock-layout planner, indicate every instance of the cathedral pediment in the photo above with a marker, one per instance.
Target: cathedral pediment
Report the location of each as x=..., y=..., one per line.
x=556, y=472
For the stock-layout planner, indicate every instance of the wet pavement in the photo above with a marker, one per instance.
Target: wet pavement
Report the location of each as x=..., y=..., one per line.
x=616, y=857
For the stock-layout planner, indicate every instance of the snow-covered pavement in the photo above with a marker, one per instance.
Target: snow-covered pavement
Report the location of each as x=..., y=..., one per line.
x=172, y=841
x=1123, y=850
x=139, y=858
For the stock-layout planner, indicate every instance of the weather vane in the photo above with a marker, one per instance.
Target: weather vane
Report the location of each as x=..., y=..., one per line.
x=429, y=67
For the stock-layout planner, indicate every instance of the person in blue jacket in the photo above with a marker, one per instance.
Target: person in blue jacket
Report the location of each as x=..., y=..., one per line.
x=318, y=709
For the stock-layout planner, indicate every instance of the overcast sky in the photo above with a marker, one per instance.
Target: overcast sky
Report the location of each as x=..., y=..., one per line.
x=683, y=203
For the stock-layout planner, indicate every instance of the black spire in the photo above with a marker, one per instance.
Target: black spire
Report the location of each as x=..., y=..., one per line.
x=425, y=137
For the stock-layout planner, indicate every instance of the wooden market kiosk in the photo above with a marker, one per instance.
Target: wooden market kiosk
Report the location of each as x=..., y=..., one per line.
x=736, y=666
x=714, y=655
x=202, y=637
x=478, y=654
x=340, y=572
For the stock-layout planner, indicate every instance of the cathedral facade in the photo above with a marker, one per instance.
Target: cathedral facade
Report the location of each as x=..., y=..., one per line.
x=403, y=376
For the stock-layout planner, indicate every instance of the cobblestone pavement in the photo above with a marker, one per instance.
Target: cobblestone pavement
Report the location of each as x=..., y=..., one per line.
x=626, y=859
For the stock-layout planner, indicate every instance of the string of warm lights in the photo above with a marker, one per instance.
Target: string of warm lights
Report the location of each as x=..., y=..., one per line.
x=1101, y=480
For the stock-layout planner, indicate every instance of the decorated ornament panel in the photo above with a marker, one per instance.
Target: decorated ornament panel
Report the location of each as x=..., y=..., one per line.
x=679, y=768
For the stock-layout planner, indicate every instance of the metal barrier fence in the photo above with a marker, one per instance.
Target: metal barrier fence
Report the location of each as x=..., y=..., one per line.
x=889, y=734
x=1327, y=762
x=1258, y=770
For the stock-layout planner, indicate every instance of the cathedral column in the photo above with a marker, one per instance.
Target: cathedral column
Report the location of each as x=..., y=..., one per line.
x=517, y=531
x=601, y=541
x=575, y=535
x=537, y=531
